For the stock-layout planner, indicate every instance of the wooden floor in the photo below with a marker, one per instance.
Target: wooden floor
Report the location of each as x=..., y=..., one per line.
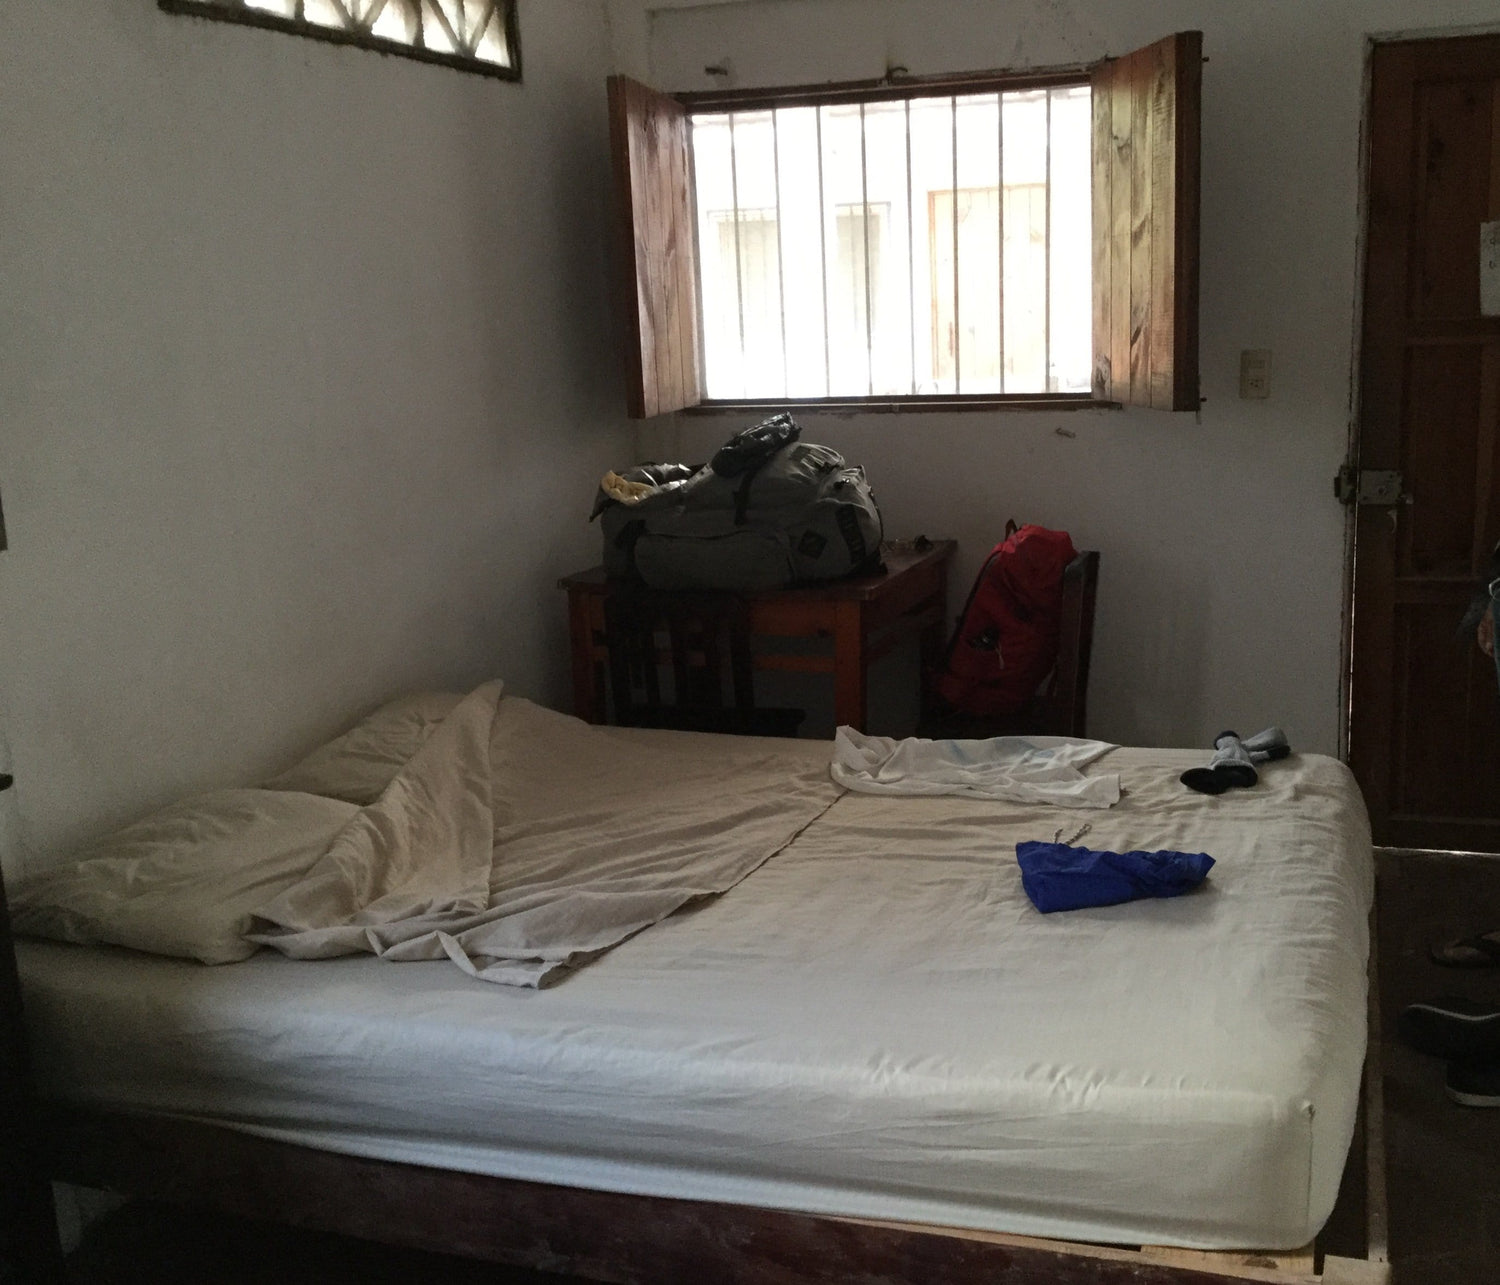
x=1443, y=1160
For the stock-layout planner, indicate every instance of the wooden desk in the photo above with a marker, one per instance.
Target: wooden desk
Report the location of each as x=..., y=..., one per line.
x=863, y=618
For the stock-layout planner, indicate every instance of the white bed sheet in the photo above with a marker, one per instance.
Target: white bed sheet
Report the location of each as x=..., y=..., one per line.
x=876, y=1023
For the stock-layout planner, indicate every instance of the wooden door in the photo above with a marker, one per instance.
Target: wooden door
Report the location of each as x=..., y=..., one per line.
x=1424, y=717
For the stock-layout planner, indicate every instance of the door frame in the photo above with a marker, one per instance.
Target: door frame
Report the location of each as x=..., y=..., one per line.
x=1372, y=40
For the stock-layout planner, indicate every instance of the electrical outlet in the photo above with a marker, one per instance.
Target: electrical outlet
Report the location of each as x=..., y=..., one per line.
x=1255, y=373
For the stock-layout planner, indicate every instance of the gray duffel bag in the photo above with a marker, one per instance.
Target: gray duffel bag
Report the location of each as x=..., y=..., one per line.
x=769, y=511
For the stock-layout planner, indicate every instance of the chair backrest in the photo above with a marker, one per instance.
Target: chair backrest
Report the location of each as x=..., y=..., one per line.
x=1067, y=698
x=703, y=631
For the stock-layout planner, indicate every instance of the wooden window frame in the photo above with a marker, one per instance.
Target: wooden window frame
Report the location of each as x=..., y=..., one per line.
x=1147, y=108
x=218, y=11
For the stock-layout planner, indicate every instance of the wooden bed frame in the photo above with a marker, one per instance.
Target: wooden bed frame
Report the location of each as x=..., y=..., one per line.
x=602, y=1236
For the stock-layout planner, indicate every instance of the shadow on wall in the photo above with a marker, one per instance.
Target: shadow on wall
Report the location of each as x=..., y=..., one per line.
x=1154, y=684
x=11, y=862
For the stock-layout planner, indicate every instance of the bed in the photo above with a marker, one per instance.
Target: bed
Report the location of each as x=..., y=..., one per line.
x=868, y=1058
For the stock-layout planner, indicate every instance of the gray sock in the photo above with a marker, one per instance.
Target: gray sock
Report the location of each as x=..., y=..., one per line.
x=1234, y=760
x=1267, y=746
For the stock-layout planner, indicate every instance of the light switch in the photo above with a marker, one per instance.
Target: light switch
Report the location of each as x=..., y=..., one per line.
x=1255, y=373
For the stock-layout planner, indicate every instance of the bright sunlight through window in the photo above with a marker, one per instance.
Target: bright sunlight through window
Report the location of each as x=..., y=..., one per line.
x=897, y=248
x=474, y=35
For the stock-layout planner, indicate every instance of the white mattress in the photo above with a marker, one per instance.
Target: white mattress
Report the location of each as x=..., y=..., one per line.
x=876, y=1023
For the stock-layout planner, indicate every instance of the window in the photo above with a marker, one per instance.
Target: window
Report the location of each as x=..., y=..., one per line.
x=472, y=35
x=741, y=292
x=973, y=241
x=892, y=285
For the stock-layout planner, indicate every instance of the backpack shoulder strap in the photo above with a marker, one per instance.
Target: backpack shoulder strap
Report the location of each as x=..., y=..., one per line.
x=963, y=615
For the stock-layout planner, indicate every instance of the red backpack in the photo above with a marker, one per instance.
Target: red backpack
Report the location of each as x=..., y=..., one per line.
x=1006, y=640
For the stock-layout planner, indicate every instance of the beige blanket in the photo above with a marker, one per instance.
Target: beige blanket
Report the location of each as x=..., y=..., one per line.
x=521, y=843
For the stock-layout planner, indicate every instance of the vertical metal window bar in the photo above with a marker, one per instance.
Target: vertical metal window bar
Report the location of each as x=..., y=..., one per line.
x=1000, y=205
x=739, y=271
x=865, y=255
x=957, y=316
x=780, y=262
x=864, y=192
x=1050, y=379
x=823, y=243
x=911, y=257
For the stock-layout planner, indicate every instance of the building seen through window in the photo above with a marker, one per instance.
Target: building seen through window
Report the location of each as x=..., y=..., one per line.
x=925, y=245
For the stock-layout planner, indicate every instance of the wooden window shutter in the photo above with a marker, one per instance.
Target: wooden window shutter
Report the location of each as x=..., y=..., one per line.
x=1146, y=161
x=649, y=137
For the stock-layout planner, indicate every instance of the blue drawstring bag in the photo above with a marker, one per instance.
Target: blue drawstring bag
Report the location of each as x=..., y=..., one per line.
x=1057, y=876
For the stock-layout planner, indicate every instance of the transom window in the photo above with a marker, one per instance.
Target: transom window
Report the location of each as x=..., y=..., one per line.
x=921, y=246
x=472, y=35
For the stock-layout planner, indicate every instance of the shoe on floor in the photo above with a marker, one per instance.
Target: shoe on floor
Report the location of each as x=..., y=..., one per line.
x=1473, y=1084
x=1455, y=1029
x=1479, y=951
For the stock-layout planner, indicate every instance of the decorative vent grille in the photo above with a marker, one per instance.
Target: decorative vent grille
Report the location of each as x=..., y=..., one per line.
x=472, y=35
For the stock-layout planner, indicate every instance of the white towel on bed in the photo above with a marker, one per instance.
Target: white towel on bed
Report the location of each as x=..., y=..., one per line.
x=1022, y=769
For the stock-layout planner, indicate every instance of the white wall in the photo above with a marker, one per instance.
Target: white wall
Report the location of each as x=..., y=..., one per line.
x=306, y=373
x=1223, y=548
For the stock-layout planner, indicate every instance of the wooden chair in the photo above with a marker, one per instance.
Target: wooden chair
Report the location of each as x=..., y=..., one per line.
x=703, y=631
x=1060, y=708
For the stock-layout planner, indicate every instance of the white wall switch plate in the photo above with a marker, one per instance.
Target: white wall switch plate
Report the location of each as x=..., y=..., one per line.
x=1255, y=373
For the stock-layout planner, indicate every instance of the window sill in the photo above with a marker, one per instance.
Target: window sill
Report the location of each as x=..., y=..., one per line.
x=904, y=405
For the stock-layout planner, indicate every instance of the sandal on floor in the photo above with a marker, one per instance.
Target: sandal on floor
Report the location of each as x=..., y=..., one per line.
x=1473, y=1084
x=1453, y=1028
x=1479, y=951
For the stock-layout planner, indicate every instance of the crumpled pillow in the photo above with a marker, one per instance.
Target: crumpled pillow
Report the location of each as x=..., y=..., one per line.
x=358, y=765
x=184, y=881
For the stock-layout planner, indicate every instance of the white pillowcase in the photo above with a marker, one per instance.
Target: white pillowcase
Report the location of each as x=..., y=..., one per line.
x=358, y=765
x=184, y=881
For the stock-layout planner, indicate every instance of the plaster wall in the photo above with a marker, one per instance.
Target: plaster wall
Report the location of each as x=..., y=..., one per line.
x=1221, y=590
x=307, y=371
